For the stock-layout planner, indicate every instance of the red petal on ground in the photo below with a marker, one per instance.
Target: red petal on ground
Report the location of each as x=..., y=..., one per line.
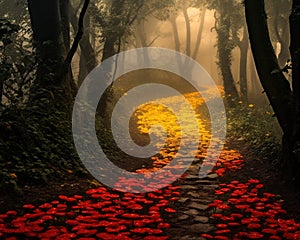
x=141, y=230
x=131, y=215
x=217, y=215
x=223, y=207
x=13, y=213
x=86, y=232
x=289, y=236
x=255, y=235
x=242, y=206
x=28, y=206
x=45, y=206
x=116, y=229
x=234, y=182
x=227, y=219
x=206, y=236
x=155, y=231
x=164, y=225
x=237, y=215
x=170, y=210
x=234, y=224
x=250, y=220
x=269, y=231
x=222, y=225
x=49, y=234
x=225, y=189
x=268, y=195
x=222, y=231
x=106, y=236
x=274, y=237
x=136, y=207
x=253, y=181
x=253, y=225
x=213, y=205
x=72, y=222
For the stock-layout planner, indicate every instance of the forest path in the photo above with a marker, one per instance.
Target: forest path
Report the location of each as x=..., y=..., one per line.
x=190, y=208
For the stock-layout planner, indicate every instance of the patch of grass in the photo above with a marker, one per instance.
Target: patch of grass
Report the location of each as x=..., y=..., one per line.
x=256, y=128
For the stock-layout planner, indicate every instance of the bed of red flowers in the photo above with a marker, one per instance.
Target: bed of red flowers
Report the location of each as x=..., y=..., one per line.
x=100, y=214
x=241, y=210
x=245, y=210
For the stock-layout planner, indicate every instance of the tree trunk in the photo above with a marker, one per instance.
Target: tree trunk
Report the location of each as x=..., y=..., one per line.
x=88, y=59
x=284, y=102
x=199, y=35
x=295, y=54
x=177, y=44
x=45, y=21
x=175, y=33
x=224, y=55
x=65, y=22
x=188, y=31
x=113, y=36
x=244, y=46
x=51, y=51
x=273, y=81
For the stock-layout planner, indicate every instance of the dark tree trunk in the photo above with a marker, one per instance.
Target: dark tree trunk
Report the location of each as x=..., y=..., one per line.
x=273, y=81
x=88, y=59
x=225, y=54
x=188, y=31
x=244, y=46
x=283, y=100
x=143, y=39
x=65, y=22
x=46, y=26
x=51, y=49
x=295, y=47
x=113, y=36
x=295, y=54
x=175, y=33
x=199, y=35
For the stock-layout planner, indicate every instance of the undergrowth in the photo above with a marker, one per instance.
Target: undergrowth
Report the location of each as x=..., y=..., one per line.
x=35, y=148
x=256, y=129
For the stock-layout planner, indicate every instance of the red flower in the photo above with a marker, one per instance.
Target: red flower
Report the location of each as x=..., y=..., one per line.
x=253, y=225
x=170, y=210
x=221, y=225
x=207, y=236
x=269, y=231
x=28, y=206
x=164, y=225
x=234, y=224
x=253, y=181
x=255, y=235
x=13, y=213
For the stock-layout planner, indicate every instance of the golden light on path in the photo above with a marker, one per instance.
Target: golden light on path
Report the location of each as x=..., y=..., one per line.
x=149, y=114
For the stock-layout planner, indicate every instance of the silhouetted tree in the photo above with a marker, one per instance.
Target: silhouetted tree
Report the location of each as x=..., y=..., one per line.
x=284, y=100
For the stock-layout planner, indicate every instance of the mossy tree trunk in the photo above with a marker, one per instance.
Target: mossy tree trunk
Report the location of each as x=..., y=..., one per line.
x=225, y=47
x=50, y=25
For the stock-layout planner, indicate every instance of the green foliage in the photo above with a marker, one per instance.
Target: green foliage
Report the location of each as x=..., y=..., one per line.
x=35, y=146
x=256, y=128
x=17, y=63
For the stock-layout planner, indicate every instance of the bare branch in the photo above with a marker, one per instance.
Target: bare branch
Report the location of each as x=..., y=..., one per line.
x=77, y=39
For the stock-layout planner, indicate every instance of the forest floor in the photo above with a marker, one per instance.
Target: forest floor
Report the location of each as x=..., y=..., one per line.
x=244, y=197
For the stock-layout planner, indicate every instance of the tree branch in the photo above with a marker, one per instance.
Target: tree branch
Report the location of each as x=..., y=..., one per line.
x=79, y=34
